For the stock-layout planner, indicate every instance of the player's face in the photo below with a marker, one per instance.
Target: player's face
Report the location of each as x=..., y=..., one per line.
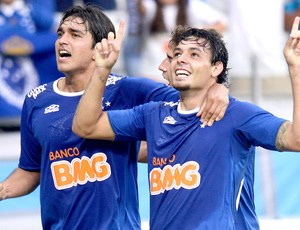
x=73, y=47
x=191, y=66
x=165, y=65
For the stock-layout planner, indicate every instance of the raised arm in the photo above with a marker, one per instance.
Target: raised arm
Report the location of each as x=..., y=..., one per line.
x=288, y=137
x=89, y=120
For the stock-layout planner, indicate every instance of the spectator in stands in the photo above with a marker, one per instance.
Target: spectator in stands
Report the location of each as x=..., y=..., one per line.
x=291, y=10
x=137, y=13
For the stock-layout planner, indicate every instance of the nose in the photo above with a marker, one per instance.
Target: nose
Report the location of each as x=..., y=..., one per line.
x=181, y=58
x=162, y=67
x=63, y=39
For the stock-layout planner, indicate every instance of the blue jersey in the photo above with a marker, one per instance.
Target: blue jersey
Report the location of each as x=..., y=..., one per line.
x=246, y=218
x=84, y=184
x=195, y=172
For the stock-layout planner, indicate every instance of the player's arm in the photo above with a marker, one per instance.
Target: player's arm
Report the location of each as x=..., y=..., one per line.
x=288, y=136
x=89, y=120
x=19, y=183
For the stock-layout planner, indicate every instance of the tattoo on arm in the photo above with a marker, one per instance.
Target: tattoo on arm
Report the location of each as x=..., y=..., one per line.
x=102, y=80
x=281, y=144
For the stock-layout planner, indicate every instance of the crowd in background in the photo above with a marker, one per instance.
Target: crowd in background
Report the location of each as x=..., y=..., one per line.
x=255, y=33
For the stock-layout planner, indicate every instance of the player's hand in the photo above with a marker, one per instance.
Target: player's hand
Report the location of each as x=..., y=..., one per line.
x=3, y=192
x=107, y=51
x=292, y=47
x=214, y=105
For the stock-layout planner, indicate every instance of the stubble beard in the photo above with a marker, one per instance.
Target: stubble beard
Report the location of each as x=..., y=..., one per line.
x=182, y=88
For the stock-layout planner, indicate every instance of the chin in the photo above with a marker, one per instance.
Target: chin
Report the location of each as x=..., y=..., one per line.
x=182, y=87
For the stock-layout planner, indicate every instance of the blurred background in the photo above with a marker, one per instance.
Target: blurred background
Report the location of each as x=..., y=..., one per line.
x=255, y=33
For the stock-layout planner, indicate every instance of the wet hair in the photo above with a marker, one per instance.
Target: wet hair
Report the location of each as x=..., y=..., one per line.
x=96, y=22
x=212, y=42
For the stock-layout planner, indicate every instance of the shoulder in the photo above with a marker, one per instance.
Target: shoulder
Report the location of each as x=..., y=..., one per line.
x=138, y=85
x=36, y=97
x=39, y=90
x=40, y=94
x=242, y=112
x=114, y=79
x=151, y=106
x=160, y=107
x=236, y=104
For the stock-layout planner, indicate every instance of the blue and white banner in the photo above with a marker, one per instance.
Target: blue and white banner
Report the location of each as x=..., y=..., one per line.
x=27, y=58
x=20, y=72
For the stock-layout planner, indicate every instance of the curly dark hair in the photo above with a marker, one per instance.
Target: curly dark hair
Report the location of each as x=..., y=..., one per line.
x=213, y=42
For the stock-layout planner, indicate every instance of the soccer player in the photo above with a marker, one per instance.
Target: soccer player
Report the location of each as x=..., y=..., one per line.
x=195, y=171
x=246, y=217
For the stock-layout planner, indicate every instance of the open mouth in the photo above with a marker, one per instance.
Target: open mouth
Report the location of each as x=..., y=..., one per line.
x=64, y=53
x=182, y=73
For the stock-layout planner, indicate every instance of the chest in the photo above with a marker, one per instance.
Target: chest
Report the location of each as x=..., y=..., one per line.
x=173, y=140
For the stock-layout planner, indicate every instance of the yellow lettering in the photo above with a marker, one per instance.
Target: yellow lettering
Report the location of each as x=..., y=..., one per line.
x=51, y=156
x=189, y=175
x=156, y=161
x=64, y=153
x=155, y=182
x=62, y=175
x=102, y=169
x=83, y=170
x=80, y=171
x=76, y=151
x=178, y=176
x=57, y=155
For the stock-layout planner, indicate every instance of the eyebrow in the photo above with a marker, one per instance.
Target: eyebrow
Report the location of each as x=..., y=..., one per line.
x=71, y=29
x=190, y=49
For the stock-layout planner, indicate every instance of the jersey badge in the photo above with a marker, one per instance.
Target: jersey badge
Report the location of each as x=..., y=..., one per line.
x=52, y=108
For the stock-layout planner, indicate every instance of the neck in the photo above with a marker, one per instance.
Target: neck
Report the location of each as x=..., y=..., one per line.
x=74, y=83
x=193, y=98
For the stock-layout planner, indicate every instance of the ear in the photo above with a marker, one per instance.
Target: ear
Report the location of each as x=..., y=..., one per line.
x=217, y=69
